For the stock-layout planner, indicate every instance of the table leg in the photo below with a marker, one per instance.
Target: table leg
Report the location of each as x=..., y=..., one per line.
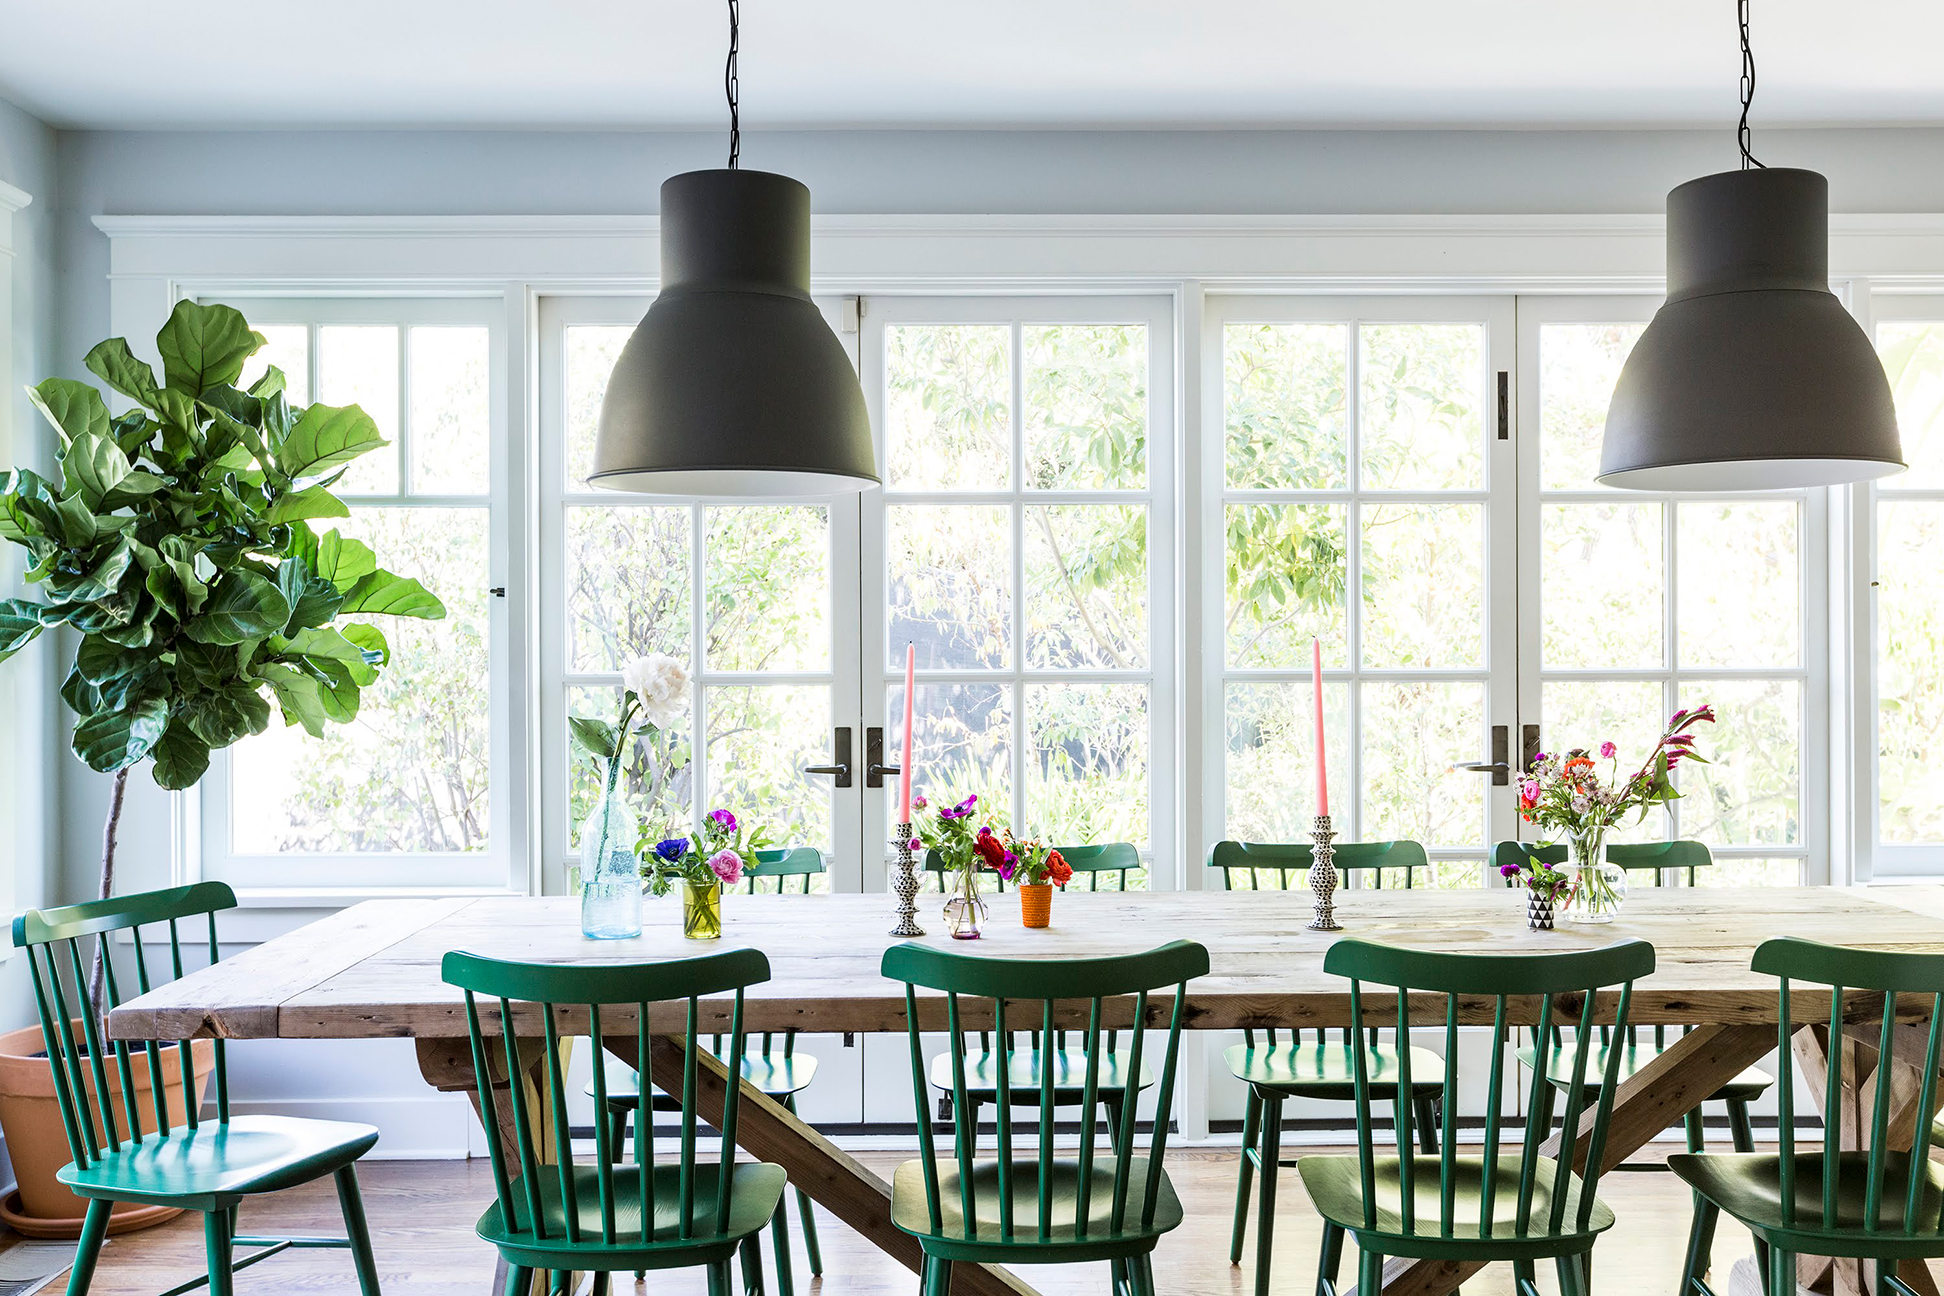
x=446, y=1064
x=1653, y=1099
x=765, y=1130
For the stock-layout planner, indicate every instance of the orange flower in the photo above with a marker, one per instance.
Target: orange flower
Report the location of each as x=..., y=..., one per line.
x=1058, y=871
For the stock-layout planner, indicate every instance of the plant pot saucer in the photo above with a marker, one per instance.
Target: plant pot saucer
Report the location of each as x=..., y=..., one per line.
x=124, y=1219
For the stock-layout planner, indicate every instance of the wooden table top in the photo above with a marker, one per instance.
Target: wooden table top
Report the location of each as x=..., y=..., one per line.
x=372, y=970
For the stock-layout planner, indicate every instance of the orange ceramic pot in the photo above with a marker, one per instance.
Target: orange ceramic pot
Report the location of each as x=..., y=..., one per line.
x=30, y=1115
x=1036, y=904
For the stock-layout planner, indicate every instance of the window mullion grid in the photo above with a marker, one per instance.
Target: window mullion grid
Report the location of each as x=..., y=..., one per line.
x=404, y=447
x=700, y=756
x=1017, y=516
x=1352, y=829
x=1671, y=650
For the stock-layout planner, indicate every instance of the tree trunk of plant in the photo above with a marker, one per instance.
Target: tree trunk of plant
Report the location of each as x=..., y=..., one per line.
x=107, y=885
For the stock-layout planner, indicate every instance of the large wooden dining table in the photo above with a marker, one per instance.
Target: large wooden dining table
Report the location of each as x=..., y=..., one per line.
x=372, y=971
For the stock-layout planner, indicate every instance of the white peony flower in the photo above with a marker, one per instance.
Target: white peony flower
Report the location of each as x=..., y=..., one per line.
x=660, y=685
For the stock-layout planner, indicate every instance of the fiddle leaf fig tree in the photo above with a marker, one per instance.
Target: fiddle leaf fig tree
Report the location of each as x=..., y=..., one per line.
x=179, y=545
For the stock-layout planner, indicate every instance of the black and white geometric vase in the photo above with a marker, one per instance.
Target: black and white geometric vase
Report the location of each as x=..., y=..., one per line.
x=1539, y=911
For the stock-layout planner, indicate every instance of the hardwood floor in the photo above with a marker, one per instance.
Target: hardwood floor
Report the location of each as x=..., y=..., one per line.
x=422, y=1214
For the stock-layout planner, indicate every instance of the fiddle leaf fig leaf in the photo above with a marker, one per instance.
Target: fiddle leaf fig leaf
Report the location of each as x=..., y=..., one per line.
x=116, y=365
x=94, y=466
x=343, y=562
x=203, y=346
x=318, y=646
x=20, y=622
x=382, y=594
x=324, y=437
x=220, y=717
x=311, y=502
x=242, y=606
x=74, y=408
x=114, y=740
x=181, y=757
x=370, y=641
x=298, y=695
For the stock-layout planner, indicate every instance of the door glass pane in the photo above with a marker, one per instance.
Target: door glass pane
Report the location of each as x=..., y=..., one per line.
x=950, y=582
x=358, y=365
x=964, y=743
x=760, y=738
x=452, y=419
x=1741, y=584
x=1733, y=871
x=1413, y=735
x=627, y=584
x=1909, y=685
x=410, y=774
x=1582, y=714
x=948, y=406
x=287, y=346
x=1086, y=406
x=766, y=606
x=1086, y=585
x=1578, y=366
x=1087, y=769
x=1287, y=565
x=591, y=350
x=1270, y=770
x=1602, y=585
x=1421, y=398
x=1913, y=357
x=1424, y=585
x=659, y=776
x=1285, y=405
x=1750, y=791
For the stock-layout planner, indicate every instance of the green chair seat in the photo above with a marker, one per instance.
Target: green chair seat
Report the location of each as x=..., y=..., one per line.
x=775, y=1075
x=1746, y=1087
x=1748, y=1186
x=1064, y=1242
x=754, y=1195
x=1069, y=1074
x=1328, y=1071
x=1335, y=1190
x=210, y=1166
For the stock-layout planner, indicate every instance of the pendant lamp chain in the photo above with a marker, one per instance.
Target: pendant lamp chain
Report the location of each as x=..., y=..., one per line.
x=733, y=89
x=1742, y=133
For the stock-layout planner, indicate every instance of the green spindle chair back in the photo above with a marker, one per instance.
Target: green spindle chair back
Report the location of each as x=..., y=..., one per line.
x=535, y=997
x=798, y=864
x=1557, y=981
x=1854, y=978
x=1045, y=984
x=61, y=945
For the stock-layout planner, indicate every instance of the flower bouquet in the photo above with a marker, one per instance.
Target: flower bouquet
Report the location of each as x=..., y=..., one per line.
x=702, y=863
x=966, y=852
x=654, y=690
x=1035, y=868
x=1569, y=795
x=1544, y=886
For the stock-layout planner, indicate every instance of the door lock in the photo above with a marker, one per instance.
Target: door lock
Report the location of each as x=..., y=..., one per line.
x=874, y=767
x=1501, y=751
x=839, y=768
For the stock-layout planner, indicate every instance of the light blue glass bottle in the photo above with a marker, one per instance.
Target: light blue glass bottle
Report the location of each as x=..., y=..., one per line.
x=610, y=877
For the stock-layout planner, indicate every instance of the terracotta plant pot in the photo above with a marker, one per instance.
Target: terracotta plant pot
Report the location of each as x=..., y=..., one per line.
x=1036, y=904
x=30, y=1115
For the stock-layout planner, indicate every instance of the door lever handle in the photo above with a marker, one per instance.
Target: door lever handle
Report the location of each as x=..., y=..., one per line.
x=874, y=767
x=839, y=768
x=1497, y=767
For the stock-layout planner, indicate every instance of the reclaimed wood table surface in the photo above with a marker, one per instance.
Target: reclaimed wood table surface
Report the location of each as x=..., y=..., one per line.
x=372, y=971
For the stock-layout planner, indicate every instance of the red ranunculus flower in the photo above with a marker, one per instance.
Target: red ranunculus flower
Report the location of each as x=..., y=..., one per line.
x=1058, y=871
x=990, y=848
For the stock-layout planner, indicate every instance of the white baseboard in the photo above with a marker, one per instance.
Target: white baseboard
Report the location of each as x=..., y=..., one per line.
x=435, y=1127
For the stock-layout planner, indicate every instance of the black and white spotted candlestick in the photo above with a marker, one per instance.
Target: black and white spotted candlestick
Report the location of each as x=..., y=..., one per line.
x=1323, y=876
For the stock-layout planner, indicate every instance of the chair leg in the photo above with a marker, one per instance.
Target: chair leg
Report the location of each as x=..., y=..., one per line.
x=216, y=1244
x=1330, y=1262
x=1119, y=1281
x=519, y=1280
x=600, y=1287
x=719, y=1278
x=1427, y=1123
x=351, y=1202
x=1266, y=1205
x=1142, y=1268
x=1701, y=1247
x=1781, y=1271
x=1116, y=1106
x=940, y=1283
x=1251, y=1127
x=751, y=1254
x=94, y=1229
x=1370, y=1271
x=1525, y=1276
x=1742, y=1131
x=780, y=1245
x=1572, y=1275
x=617, y=1123
x=805, y=1213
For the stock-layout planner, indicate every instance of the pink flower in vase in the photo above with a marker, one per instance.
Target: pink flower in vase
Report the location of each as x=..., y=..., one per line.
x=1607, y=749
x=727, y=865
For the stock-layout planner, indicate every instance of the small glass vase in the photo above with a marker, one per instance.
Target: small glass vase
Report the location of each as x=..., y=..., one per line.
x=610, y=878
x=1598, y=888
x=702, y=910
x=964, y=910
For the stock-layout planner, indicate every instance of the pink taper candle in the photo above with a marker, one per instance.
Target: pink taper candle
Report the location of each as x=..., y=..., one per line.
x=905, y=759
x=1322, y=776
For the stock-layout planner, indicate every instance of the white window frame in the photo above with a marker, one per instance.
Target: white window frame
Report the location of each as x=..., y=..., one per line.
x=1812, y=847
x=346, y=874
x=22, y=701
x=1159, y=676
x=1497, y=669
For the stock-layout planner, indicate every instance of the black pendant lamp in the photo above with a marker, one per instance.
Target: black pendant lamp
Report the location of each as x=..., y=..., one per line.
x=1751, y=376
x=733, y=384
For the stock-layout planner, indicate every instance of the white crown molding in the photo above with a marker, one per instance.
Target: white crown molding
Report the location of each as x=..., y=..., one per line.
x=12, y=199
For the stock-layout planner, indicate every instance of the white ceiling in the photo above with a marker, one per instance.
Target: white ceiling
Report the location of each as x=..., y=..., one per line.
x=966, y=63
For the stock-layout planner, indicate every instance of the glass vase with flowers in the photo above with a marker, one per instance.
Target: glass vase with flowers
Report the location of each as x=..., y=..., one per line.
x=965, y=851
x=1569, y=795
x=701, y=864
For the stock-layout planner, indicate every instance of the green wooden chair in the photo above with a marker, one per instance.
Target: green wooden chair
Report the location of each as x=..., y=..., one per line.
x=776, y=1069
x=1662, y=859
x=1039, y=1209
x=1277, y=1068
x=1069, y=1062
x=1876, y=1205
x=1520, y=1207
x=178, y=1158
x=605, y=1217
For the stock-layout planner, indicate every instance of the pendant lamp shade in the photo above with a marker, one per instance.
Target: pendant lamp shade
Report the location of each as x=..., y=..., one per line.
x=1751, y=376
x=733, y=384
